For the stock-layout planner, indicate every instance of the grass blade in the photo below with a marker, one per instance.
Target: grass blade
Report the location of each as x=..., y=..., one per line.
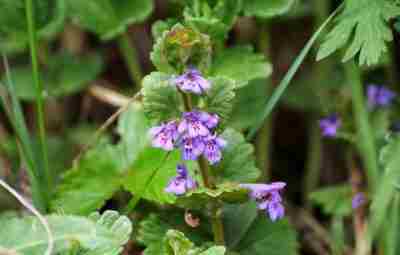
x=278, y=92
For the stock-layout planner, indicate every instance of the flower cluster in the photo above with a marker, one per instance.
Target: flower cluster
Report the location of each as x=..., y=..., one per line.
x=268, y=198
x=194, y=133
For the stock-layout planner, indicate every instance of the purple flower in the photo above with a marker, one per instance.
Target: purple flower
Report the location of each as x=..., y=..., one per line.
x=329, y=125
x=358, y=200
x=192, y=81
x=192, y=147
x=165, y=135
x=194, y=124
x=181, y=183
x=379, y=96
x=268, y=198
x=213, y=147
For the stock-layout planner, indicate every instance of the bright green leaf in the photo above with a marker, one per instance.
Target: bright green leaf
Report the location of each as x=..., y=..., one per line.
x=267, y=9
x=363, y=24
x=63, y=76
x=109, y=18
x=219, y=99
x=238, y=163
x=241, y=64
x=335, y=200
x=49, y=20
x=99, y=234
x=161, y=100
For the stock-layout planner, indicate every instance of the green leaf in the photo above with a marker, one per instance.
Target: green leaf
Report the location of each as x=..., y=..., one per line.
x=151, y=173
x=64, y=76
x=152, y=230
x=179, y=48
x=237, y=221
x=177, y=244
x=133, y=128
x=381, y=200
x=238, y=163
x=49, y=20
x=241, y=64
x=219, y=98
x=87, y=186
x=250, y=98
x=161, y=100
x=363, y=24
x=214, y=18
x=267, y=9
x=109, y=18
x=335, y=200
x=160, y=26
x=200, y=197
x=99, y=234
x=267, y=237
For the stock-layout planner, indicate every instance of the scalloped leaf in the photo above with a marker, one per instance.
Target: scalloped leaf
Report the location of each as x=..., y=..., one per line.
x=211, y=17
x=161, y=100
x=109, y=18
x=101, y=171
x=179, y=48
x=152, y=230
x=335, y=200
x=98, y=235
x=219, y=99
x=199, y=198
x=64, y=76
x=238, y=162
x=267, y=9
x=49, y=21
x=242, y=64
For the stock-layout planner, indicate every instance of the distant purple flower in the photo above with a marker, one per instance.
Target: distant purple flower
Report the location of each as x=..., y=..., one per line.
x=192, y=81
x=330, y=125
x=379, y=96
x=194, y=124
x=181, y=183
x=268, y=198
x=213, y=147
x=192, y=147
x=165, y=135
x=358, y=200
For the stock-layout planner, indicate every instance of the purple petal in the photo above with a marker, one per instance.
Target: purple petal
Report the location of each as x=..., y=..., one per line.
x=276, y=211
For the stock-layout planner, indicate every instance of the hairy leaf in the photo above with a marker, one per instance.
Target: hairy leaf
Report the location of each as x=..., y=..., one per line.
x=241, y=64
x=179, y=48
x=363, y=24
x=161, y=100
x=64, y=76
x=99, y=234
x=109, y=18
x=238, y=163
x=214, y=18
x=49, y=20
x=219, y=98
x=335, y=200
x=266, y=9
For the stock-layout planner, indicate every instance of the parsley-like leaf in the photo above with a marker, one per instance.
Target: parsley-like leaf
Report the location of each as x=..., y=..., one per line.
x=364, y=24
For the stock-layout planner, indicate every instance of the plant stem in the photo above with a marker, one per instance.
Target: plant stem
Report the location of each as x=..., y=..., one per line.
x=264, y=135
x=47, y=182
x=215, y=208
x=366, y=141
x=129, y=54
x=313, y=159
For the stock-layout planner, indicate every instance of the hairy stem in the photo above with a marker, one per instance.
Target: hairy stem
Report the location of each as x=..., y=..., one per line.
x=129, y=54
x=366, y=141
x=45, y=175
x=215, y=208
